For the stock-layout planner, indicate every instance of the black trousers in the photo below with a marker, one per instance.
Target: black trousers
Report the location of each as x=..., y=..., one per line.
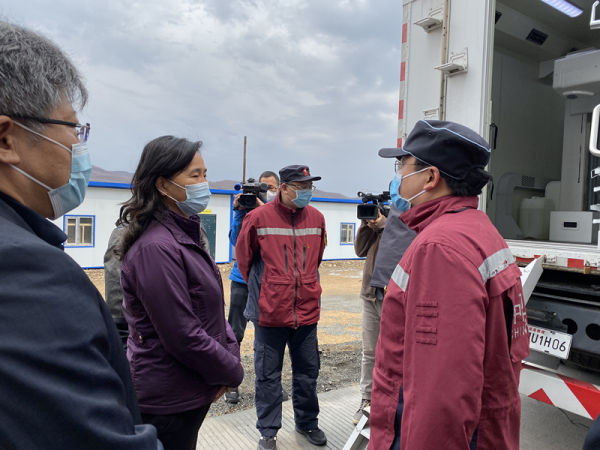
x=239, y=298
x=123, y=329
x=269, y=348
x=178, y=431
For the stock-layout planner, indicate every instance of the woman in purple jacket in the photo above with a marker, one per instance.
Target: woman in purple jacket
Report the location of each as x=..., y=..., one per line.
x=183, y=353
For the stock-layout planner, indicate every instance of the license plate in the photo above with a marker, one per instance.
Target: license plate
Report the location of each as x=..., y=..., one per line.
x=551, y=342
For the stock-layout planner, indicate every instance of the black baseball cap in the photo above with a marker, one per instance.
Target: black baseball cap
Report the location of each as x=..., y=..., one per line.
x=296, y=173
x=453, y=148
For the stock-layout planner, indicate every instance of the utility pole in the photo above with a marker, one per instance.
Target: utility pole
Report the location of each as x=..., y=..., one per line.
x=244, y=180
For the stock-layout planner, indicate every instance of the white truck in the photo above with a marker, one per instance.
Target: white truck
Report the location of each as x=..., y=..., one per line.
x=525, y=74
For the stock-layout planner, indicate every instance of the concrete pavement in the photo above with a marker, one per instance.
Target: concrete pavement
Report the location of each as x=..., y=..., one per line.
x=543, y=427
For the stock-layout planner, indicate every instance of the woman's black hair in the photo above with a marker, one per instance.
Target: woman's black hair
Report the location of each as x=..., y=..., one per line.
x=166, y=156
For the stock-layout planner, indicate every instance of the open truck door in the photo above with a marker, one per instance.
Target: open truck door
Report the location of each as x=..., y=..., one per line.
x=447, y=50
x=545, y=83
x=447, y=56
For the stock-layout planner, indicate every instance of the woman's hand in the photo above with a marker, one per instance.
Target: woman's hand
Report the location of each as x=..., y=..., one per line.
x=220, y=393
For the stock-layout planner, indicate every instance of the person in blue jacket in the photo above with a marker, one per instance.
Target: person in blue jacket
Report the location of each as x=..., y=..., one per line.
x=64, y=378
x=239, y=288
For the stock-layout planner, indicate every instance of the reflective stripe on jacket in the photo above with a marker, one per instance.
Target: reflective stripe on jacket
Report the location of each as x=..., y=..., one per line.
x=453, y=334
x=278, y=252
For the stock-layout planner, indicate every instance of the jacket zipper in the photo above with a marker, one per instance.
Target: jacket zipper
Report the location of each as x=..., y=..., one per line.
x=295, y=275
x=304, y=260
x=285, y=255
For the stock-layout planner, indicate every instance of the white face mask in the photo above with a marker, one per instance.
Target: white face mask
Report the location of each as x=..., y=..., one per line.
x=268, y=196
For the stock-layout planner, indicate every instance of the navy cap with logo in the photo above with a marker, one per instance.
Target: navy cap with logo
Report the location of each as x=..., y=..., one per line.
x=453, y=148
x=296, y=173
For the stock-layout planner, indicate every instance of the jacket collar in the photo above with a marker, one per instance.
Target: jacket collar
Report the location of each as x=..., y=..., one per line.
x=420, y=217
x=184, y=230
x=284, y=209
x=28, y=219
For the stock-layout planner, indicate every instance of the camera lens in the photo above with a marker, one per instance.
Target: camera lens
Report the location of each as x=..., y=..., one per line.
x=247, y=201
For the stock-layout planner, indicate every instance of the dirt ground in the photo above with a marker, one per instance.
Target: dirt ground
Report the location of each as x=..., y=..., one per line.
x=338, y=331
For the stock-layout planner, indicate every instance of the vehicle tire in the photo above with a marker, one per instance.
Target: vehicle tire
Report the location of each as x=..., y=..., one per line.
x=585, y=360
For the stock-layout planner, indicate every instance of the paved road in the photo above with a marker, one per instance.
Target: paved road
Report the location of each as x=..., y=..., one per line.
x=543, y=427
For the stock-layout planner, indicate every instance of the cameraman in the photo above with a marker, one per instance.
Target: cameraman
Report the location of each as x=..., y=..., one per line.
x=239, y=288
x=366, y=245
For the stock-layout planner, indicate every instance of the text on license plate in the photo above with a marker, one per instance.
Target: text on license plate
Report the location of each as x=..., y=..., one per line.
x=551, y=342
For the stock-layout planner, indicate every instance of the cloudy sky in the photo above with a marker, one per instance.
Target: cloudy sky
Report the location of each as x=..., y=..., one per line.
x=308, y=81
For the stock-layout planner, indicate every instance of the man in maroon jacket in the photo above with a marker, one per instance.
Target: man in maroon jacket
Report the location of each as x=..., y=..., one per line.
x=454, y=327
x=279, y=250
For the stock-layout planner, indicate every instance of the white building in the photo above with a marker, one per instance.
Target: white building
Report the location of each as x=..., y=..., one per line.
x=89, y=226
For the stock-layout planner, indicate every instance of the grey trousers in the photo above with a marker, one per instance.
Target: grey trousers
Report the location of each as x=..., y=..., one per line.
x=371, y=319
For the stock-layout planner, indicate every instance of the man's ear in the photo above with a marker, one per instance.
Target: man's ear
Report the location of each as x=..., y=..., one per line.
x=8, y=152
x=434, y=178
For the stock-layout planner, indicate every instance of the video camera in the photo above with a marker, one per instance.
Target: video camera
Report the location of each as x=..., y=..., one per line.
x=368, y=211
x=250, y=191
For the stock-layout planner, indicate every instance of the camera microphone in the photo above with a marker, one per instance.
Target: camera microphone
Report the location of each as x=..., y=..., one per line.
x=238, y=186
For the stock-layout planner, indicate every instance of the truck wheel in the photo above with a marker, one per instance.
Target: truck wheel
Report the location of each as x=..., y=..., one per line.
x=585, y=360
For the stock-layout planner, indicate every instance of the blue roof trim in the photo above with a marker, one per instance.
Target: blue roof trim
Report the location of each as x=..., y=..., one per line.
x=103, y=184
x=335, y=200
x=225, y=191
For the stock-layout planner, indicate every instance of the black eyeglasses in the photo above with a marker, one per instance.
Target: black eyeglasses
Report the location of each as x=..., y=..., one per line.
x=82, y=131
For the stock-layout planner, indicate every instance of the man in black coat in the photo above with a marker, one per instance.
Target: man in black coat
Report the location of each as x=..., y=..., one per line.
x=64, y=379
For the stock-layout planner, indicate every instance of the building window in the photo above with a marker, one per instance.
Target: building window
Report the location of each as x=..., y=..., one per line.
x=347, y=233
x=79, y=230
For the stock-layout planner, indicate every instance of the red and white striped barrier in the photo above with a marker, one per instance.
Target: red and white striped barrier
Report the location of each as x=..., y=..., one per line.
x=563, y=392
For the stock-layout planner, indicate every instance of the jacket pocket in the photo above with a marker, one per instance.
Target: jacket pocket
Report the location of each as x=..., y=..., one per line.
x=311, y=287
x=276, y=298
x=285, y=257
x=304, y=259
x=309, y=294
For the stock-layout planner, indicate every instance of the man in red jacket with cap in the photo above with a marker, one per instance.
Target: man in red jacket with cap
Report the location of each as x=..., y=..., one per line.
x=454, y=327
x=279, y=250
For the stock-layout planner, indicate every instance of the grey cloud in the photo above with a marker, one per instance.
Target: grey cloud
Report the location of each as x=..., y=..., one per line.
x=307, y=81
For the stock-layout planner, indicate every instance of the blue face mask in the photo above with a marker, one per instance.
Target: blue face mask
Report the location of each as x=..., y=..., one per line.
x=400, y=202
x=68, y=197
x=302, y=198
x=197, y=198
